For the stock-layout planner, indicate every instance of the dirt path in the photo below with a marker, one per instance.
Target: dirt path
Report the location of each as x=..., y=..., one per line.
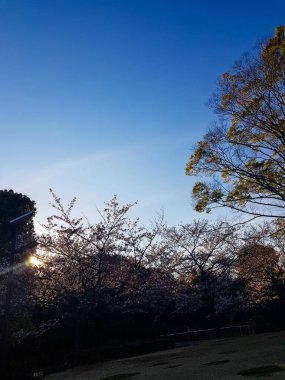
x=209, y=360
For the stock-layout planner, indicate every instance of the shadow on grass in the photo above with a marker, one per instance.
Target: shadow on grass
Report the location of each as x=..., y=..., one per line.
x=121, y=376
x=174, y=366
x=261, y=371
x=217, y=362
x=159, y=363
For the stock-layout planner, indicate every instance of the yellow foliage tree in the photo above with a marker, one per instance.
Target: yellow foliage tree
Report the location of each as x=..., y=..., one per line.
x=244, y=153
x=258, y=266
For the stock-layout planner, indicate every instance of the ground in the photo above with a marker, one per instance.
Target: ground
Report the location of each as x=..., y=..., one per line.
x=254, y=356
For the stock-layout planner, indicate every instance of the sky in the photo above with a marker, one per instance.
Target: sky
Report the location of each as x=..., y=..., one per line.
x=109, y=97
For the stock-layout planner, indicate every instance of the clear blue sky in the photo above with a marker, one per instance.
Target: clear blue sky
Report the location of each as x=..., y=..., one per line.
x=108, y=97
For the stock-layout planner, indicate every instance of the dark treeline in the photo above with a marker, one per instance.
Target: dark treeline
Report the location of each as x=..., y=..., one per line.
x=113, y=288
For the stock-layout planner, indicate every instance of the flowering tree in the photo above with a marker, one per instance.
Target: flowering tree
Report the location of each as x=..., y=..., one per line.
x=91, y=266
x=202, y=255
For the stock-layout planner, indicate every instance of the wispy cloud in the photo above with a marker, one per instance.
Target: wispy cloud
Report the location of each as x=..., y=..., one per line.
x=134, y=172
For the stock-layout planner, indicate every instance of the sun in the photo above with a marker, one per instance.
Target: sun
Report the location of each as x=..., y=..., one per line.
x=34, y=261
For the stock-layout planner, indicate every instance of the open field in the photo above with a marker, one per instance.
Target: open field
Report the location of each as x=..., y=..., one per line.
x=209, y=360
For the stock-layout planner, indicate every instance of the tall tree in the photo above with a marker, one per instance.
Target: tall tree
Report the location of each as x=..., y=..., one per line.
x=245, y=150
x=15, y=285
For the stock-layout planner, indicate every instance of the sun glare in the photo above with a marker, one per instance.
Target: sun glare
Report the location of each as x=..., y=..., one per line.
x=34, y=261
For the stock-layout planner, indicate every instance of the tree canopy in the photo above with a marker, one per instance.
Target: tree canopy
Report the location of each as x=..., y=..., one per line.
x=244, y=152
x=97, y=284
x=13, y=205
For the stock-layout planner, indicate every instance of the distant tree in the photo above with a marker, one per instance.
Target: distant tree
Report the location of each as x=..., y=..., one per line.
x=274, y=236
x=258, y=265
x=202, y=256
x=245, y=152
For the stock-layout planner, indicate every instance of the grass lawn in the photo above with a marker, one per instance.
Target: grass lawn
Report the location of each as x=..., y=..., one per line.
x=246, y=357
